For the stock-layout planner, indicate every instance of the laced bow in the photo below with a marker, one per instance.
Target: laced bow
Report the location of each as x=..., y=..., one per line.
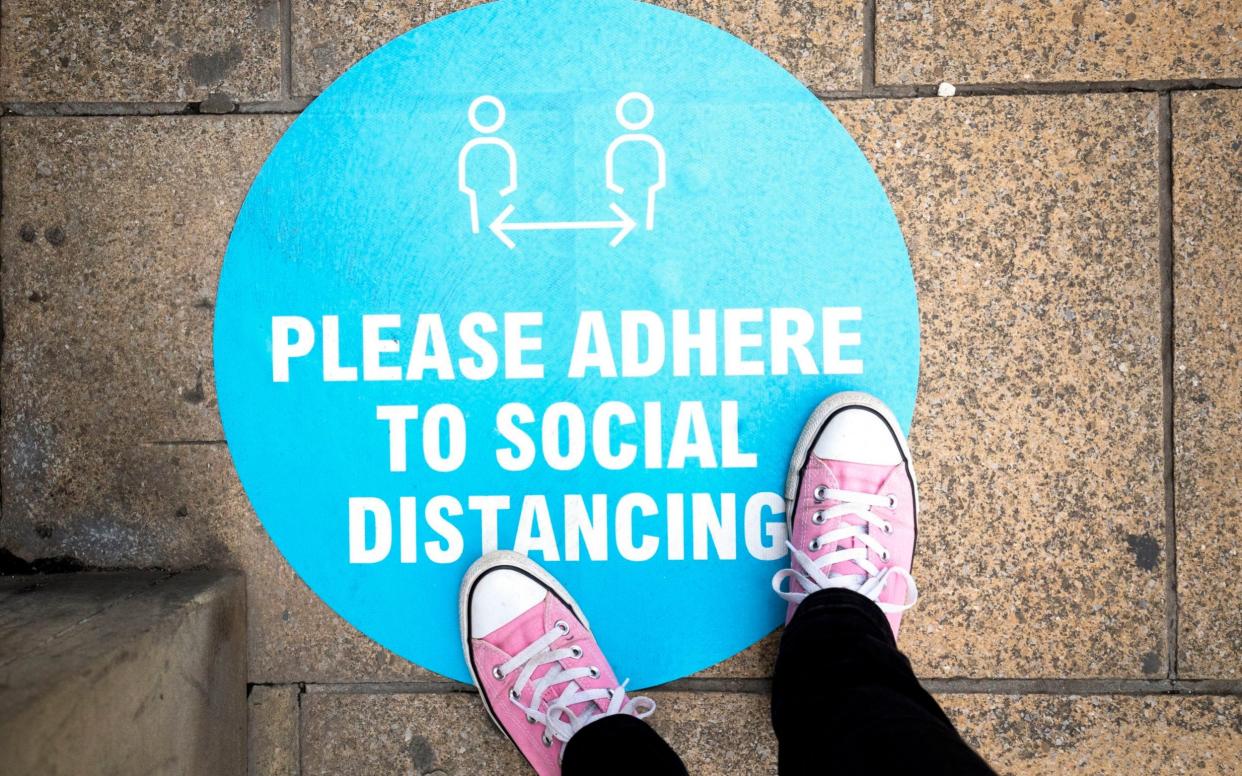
x=816, y=574
x=560, y=720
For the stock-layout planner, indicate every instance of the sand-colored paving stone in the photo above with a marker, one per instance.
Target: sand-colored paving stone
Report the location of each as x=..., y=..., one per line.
x=114, y=229
x=1037, y=433
x=729, y=733
x=1032, y=230
x=820, y=41
x=1102, y=734
x=91, y=51
x=1207, y=199
x=929, y=41
x=274, y=730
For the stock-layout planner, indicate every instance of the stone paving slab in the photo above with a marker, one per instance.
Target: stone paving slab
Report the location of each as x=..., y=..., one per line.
x=113, y=233
x=1104, y=734
x=1037, y=434
x=929, y=41
x=1042, y=517
x=820, y=41
x=1207, y=158
x=729, y=733
x=1032, y=223
x=274, y=740
x=89, y=51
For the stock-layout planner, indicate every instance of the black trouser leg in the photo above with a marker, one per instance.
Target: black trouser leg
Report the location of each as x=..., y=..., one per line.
x=621, y=745
x=845, y=700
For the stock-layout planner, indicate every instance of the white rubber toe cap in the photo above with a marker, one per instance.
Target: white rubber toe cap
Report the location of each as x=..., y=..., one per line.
x=858, y=435
x=499, y=597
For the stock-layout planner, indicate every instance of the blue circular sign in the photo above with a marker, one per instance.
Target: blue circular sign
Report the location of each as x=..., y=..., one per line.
x=563, y=277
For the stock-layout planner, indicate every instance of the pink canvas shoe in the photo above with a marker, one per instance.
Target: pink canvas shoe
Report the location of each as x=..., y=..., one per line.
x=531, y=653
x=851, y=507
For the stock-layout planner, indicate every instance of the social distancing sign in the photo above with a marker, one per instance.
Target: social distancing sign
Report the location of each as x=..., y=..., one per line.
x=564, y=278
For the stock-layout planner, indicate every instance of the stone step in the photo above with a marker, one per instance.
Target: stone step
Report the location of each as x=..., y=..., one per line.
x=123, y=672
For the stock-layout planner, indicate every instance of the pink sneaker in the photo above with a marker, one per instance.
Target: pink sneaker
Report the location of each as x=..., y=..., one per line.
x=852, y=507
x=531, y=653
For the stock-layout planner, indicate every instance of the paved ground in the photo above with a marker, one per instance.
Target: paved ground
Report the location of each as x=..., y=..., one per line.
x=1072, y=216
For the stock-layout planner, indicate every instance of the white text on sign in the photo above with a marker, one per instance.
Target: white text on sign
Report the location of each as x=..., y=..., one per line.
x=612, y=436
x=734, y=342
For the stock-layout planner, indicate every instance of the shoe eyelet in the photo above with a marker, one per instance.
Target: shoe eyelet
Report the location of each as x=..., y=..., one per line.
x=531, y=719
x=813, y=546
x=594, y=672
x=884, y=555
x=562, y=626
x=497, y=673
x=821, y=493
x=576, y=651
x=887, y=528
x=514, y=696
x=546, y=740
x=818, y=518
x=892, y=501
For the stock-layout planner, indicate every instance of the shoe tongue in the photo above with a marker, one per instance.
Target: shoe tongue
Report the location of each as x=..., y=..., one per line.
x=859, y=478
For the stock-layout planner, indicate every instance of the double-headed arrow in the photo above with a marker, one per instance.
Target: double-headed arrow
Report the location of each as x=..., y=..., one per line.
x=500, y=227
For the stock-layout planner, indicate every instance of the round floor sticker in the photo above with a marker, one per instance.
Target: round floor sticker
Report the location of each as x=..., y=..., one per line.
x=562, y=277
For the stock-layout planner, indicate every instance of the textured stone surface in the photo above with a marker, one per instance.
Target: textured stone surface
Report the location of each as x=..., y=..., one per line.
x=726, y=733
x=820, y=41
x=400, y=733
x=928, y=41
x=1032, y=230
x=113, y=233
x=273, y=743
x=130, y=672
x=88, y=51
x=450, y=732
x=1207, y=200
x=1102, y=734
x=756, y=661
x=718, y=733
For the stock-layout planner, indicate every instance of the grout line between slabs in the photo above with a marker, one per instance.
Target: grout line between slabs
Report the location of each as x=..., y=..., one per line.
x=868, y=52
x=760, y=686
x=2, y=319
x=301, y=765
x=295, y=105
x=286, y=49
x=1168, y=398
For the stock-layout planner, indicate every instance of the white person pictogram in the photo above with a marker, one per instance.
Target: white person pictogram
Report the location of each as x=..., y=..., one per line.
x=485, y=139
x=636, y=137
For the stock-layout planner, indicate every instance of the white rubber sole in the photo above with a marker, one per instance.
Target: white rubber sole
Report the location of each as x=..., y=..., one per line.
x=492, y=560
x=811, y=431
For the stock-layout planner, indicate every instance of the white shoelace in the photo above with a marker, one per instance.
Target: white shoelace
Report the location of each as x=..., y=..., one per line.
x=812, y=576
x=560, y=721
